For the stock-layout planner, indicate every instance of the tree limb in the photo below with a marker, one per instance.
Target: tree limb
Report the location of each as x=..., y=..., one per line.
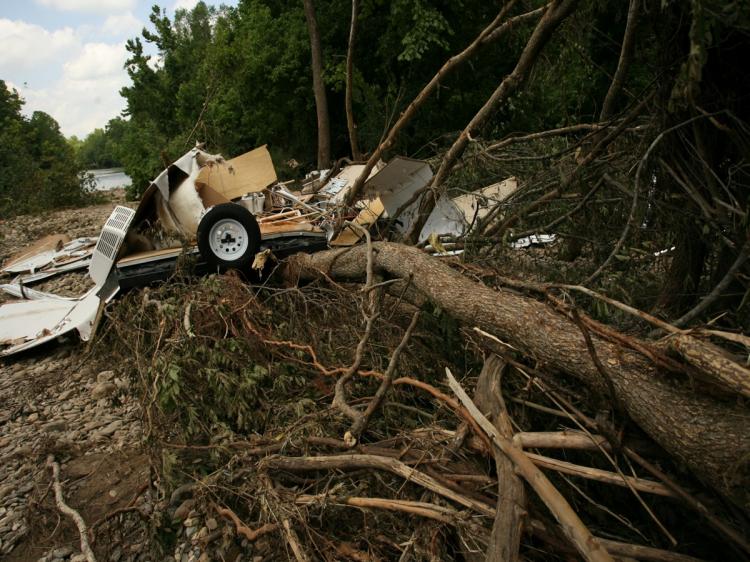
x=574, y=529
x=69, y=511
x=449, y=66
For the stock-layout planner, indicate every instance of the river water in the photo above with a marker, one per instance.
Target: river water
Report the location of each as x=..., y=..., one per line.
x=110, y=178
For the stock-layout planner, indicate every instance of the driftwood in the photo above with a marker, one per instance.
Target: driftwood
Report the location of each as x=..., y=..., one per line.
x=250, y=534
x=706, y=434
x=450, y=516
x=69, y=511
x=639, y=484
x=511, y=499
x=565, y=439
x=351, y=462
x=572, y=526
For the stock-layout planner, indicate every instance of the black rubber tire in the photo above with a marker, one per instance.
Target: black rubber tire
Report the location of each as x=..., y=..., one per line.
x=248, y=222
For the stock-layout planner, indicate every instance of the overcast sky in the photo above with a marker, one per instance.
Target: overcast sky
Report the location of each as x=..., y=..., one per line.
x=66, y=57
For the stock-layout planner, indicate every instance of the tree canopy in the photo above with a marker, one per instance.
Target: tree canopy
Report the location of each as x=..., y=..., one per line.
x=37, y=165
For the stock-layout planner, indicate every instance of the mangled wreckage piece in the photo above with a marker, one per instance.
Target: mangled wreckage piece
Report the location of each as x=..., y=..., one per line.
x=50, y=256
x=27, y=324
x=43, y=317
x=187, y=208
x=220, y=206
x=393, y=185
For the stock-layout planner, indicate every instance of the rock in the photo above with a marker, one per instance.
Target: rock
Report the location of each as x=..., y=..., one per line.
x=55, y=425
x=182, y=512
x=103, y=390
x=62, y=552
x=32, y=417
x=111, y=428
x=5, y=490
x=122, y=384
x=65, y=394
x=212, y=524
x=105, y=376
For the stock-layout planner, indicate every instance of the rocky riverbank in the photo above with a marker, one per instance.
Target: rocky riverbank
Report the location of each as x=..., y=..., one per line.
x=65, y=402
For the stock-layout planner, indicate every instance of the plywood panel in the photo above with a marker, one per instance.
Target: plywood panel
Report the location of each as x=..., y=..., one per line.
x=366, y=218
x=248, y=173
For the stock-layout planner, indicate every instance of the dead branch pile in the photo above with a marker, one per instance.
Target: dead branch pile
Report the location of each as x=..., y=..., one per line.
x=319, y=421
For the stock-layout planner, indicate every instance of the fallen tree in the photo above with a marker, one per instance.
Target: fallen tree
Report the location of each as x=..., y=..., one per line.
x=707, y=433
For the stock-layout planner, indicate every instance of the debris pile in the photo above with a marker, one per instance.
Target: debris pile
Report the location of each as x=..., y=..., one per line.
x=262, y=451
x=325, y=411
x=229, y=214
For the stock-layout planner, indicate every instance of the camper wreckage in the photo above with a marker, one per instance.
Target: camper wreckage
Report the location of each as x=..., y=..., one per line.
x=227, y=214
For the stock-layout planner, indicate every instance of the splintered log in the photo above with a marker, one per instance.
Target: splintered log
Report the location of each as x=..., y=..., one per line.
x=511, y=498
x=706, y=434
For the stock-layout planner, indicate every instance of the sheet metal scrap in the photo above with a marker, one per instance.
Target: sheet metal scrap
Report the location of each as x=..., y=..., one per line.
x=29, y=323
x=49, y=256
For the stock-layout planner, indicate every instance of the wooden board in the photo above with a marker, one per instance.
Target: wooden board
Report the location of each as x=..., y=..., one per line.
x=248, y=173
x=287, y=226
x=164, y=252
x=51, y=242
x=366, y=218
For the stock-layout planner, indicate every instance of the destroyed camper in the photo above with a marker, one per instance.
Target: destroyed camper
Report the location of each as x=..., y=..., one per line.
x=226, y=214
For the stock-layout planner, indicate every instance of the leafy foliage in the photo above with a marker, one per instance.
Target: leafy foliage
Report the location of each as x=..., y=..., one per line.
x=238, y=77
x=37, y=165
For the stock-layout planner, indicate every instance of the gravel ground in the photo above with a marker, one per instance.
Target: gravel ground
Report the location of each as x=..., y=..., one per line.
x=64, y=400
x=59, y=400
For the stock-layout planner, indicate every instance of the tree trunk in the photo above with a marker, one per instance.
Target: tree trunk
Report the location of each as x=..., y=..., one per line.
x=626, y=54
x=682, y=280
x=321, y=103
x=350, y=123
x=573, y=247
x=705, y=434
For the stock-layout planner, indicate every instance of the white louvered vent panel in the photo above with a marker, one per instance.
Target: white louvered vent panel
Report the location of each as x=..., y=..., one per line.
x=109, y=243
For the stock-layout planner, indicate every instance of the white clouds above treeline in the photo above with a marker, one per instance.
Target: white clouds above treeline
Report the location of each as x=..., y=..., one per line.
x=98, y=6
x=59, y=72
x=66, y=57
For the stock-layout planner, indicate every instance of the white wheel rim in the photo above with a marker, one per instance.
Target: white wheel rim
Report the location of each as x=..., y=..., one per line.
x=228, y=239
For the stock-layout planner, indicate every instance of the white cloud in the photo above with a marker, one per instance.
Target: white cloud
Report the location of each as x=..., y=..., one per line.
x=122, y=25
x=27, y=46
x=79, y=106
x=97, y=60
x=99, y=6
x=184, y=4
x=77, y=83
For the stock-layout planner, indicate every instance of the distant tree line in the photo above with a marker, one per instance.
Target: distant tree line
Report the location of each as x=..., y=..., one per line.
x=100, y=148
x=38, y=169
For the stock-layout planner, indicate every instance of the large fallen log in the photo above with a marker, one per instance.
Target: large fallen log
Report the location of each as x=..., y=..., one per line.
x=706, y=434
